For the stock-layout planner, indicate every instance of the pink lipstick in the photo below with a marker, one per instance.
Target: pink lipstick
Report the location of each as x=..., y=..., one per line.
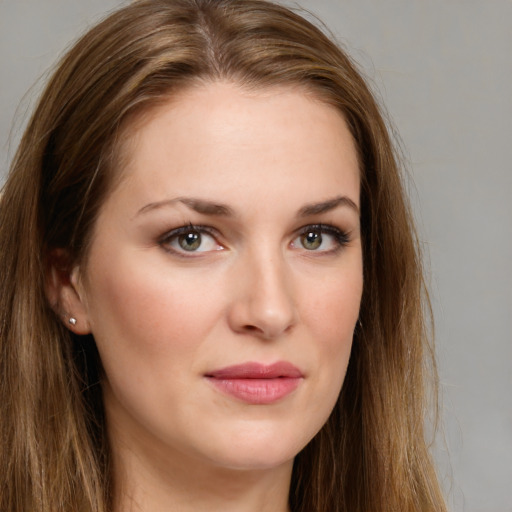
x=257, y=383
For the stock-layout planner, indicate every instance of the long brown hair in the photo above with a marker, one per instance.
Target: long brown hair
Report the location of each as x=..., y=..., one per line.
x=54, y=454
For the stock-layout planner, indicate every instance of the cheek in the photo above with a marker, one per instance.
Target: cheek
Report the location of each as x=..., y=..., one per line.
x=333, y=306
x=331, y=314
x=142, y=312
x=150, y=326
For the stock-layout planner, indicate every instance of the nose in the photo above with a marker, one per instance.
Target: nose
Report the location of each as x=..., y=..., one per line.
x=263, y=303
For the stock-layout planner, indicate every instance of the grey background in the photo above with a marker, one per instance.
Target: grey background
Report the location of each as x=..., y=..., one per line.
x=443, y=68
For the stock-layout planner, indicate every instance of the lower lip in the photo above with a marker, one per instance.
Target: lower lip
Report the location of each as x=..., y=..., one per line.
x=257, y=391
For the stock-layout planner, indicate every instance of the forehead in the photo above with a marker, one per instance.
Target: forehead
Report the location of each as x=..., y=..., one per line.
x=215, y=134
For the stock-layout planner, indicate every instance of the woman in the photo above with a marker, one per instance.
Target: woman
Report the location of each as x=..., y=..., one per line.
x=203, y=223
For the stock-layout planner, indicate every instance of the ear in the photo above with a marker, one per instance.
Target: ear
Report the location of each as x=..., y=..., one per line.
x=65, y=293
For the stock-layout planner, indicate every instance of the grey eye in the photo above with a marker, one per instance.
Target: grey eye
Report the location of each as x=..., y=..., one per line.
x=320, y=238
x=190, y=241
x=311, y=240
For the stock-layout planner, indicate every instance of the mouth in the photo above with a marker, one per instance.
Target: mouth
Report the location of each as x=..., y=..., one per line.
x=256, y=383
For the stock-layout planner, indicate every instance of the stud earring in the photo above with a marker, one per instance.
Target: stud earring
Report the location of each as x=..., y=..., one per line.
x=72, y=321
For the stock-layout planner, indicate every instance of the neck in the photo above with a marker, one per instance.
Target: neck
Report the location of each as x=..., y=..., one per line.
x=140, y=487
x=151, y=480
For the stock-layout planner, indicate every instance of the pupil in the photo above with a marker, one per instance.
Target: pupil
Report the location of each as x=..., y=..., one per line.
x=312, y=240
x=190, y=241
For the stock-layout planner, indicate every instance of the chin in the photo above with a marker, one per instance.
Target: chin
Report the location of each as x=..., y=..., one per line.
x=255, y=461
x=258, y=450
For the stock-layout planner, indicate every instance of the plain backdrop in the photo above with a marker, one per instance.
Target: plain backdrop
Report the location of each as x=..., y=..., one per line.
x=443, y=68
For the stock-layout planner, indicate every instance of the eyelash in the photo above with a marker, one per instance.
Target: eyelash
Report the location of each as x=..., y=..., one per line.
x=341, y=238
x=172, y=235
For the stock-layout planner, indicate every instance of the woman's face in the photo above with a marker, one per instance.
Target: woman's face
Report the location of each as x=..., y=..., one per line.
x=224, y=277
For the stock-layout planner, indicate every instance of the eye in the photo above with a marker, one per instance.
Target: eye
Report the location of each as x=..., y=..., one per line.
x=320, y=238
x=311, y=240
x=190, y=239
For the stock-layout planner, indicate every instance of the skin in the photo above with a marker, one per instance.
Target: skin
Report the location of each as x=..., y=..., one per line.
x=253, y=290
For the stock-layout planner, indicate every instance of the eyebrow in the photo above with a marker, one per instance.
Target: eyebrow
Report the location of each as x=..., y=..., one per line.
x=198, y=205
x=206, y=207
x=327, y=206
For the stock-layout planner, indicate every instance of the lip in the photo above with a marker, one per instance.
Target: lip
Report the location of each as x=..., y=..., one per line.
x=257, y=383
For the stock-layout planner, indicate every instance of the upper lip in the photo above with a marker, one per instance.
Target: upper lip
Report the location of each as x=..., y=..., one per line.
x=254, y=370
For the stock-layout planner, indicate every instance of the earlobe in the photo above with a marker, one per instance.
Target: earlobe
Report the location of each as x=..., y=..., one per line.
x=64, y=292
